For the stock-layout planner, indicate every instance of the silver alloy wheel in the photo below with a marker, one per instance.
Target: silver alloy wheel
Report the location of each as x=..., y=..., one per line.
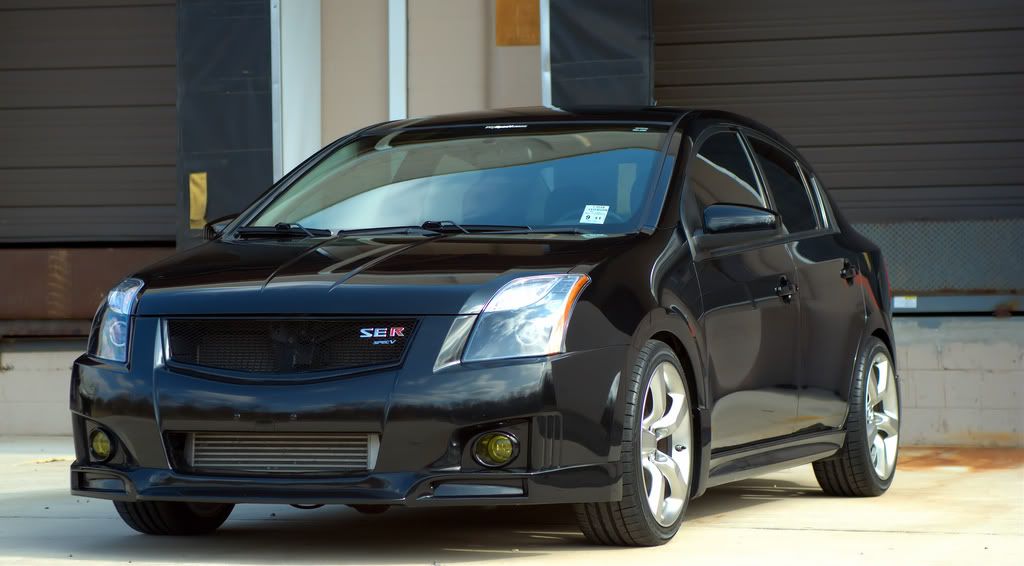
x=882, y=414
x=666, y=437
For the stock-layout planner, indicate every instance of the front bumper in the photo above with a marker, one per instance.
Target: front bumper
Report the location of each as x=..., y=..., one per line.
x=599, y=482
x=565, y=410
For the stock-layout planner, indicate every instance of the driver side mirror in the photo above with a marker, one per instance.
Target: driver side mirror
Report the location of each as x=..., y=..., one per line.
x=213, y=228
x=727, y=225
x=731, y=218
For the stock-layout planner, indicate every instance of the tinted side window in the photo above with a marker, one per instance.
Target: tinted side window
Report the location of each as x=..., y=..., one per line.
x=787, y=187
x=722, y=173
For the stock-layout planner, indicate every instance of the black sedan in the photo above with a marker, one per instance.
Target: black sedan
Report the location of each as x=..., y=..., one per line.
x=616, y=309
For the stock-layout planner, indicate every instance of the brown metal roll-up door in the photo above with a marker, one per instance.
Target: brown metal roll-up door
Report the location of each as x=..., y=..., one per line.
x=87, y=121
x=912, y=113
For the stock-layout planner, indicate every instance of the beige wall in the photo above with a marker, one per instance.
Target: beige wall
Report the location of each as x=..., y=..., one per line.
x=448, y=42
x=354, y=80
x=453, y=66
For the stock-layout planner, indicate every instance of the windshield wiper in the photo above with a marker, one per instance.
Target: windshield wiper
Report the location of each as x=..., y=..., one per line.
x=449, y=227
x=282, y=230
x=436, y=227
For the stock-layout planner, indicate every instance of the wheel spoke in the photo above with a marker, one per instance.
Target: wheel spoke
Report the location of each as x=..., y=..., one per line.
x=648, y=443
x=677, y=412
x=887, y=423
x=655, y=487
x=656, y=396
x=872, y=390
x=673, y=475
x=880, y=456
x=882, y=385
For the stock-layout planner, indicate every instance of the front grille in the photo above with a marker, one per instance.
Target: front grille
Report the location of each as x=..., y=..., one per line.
x=280, y=453
x=287, y=346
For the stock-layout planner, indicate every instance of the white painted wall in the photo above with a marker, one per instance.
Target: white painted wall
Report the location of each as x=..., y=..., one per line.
x=300, y=81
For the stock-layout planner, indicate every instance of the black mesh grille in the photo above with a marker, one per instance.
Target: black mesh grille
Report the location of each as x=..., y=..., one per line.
x=288, y=346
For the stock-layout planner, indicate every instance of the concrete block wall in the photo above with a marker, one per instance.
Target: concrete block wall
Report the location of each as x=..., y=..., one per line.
x=963, y=380
x=34, y=376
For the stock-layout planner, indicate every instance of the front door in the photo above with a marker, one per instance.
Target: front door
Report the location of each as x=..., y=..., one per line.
x=750, y=321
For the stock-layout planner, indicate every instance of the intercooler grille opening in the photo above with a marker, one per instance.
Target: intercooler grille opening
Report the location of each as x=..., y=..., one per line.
x=281, y=453
x=288, y=346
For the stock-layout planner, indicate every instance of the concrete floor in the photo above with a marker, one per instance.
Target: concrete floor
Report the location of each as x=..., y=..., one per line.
x=947, y=506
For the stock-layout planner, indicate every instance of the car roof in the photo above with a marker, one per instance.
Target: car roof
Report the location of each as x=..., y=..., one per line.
x=546, y=114
x=541, y=114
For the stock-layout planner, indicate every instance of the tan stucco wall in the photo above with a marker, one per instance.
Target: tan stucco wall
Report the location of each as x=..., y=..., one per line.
x=453, y=62
x=354, y=80
x=455, y=66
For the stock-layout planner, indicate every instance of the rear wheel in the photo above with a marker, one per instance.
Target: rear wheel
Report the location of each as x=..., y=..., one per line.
x=866, y=464
x=172, y=517
x=657, y=457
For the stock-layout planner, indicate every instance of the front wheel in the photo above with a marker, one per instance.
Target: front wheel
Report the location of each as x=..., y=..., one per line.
x=657, y=457
x=866, y=464
x=172, y=517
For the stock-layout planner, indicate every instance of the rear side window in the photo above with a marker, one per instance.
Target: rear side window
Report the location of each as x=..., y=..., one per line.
x=722, y=173
x=787, y=187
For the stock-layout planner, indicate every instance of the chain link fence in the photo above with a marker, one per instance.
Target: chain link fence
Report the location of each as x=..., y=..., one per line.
x=958, y=257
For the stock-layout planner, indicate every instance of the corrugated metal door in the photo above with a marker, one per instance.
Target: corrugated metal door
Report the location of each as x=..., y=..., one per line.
x=911, y=111
x=87, y=120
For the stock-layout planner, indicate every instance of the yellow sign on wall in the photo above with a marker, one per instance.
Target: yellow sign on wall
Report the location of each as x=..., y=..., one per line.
x=197, y=200
x=517, y=22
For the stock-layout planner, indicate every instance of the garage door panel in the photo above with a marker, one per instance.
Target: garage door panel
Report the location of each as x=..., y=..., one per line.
x=699, y=21
x=86, y=223
x=48, y=88
x=93, y=37
x=873, y=112
x=967, y=53
x=911, y=111
x=891, y=204
x=93, y=137
x=76, y=186
x=926, y=165
x=51, y=4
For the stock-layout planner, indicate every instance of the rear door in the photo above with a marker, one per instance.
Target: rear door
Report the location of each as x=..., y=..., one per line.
x=830, y=302
x=750, y=332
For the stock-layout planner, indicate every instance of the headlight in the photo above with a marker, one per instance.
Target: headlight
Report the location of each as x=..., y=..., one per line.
x=526, y=317
x=112, y=327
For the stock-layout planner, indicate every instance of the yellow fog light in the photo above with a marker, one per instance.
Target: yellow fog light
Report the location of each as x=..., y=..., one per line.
x=100, y=445
x=495, y=449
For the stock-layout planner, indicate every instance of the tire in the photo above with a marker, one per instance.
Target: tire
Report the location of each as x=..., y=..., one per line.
x=854, y=471
x=173, y=518
x=631, y=521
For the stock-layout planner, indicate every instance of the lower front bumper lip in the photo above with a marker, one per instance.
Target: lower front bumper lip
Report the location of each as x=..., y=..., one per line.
x=578, y=484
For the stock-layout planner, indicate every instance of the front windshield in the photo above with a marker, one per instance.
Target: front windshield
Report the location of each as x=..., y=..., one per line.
x=592, y=177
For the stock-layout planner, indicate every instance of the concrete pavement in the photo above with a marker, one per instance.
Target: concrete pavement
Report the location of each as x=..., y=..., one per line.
x=947, y=506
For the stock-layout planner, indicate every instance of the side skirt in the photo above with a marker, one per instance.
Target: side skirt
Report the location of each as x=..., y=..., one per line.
x=742, y=463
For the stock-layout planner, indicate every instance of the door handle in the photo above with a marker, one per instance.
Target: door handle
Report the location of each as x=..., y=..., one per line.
x=786, y=289
x=849, y=271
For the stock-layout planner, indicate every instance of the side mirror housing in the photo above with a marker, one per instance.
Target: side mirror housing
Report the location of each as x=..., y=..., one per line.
x=733, y=218
x=729, y=225
x=213, y=228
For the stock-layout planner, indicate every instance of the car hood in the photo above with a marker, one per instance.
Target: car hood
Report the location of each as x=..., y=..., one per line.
x=411, y=275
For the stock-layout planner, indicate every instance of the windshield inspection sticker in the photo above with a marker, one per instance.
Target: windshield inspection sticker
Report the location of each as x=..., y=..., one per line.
x=594, y=214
